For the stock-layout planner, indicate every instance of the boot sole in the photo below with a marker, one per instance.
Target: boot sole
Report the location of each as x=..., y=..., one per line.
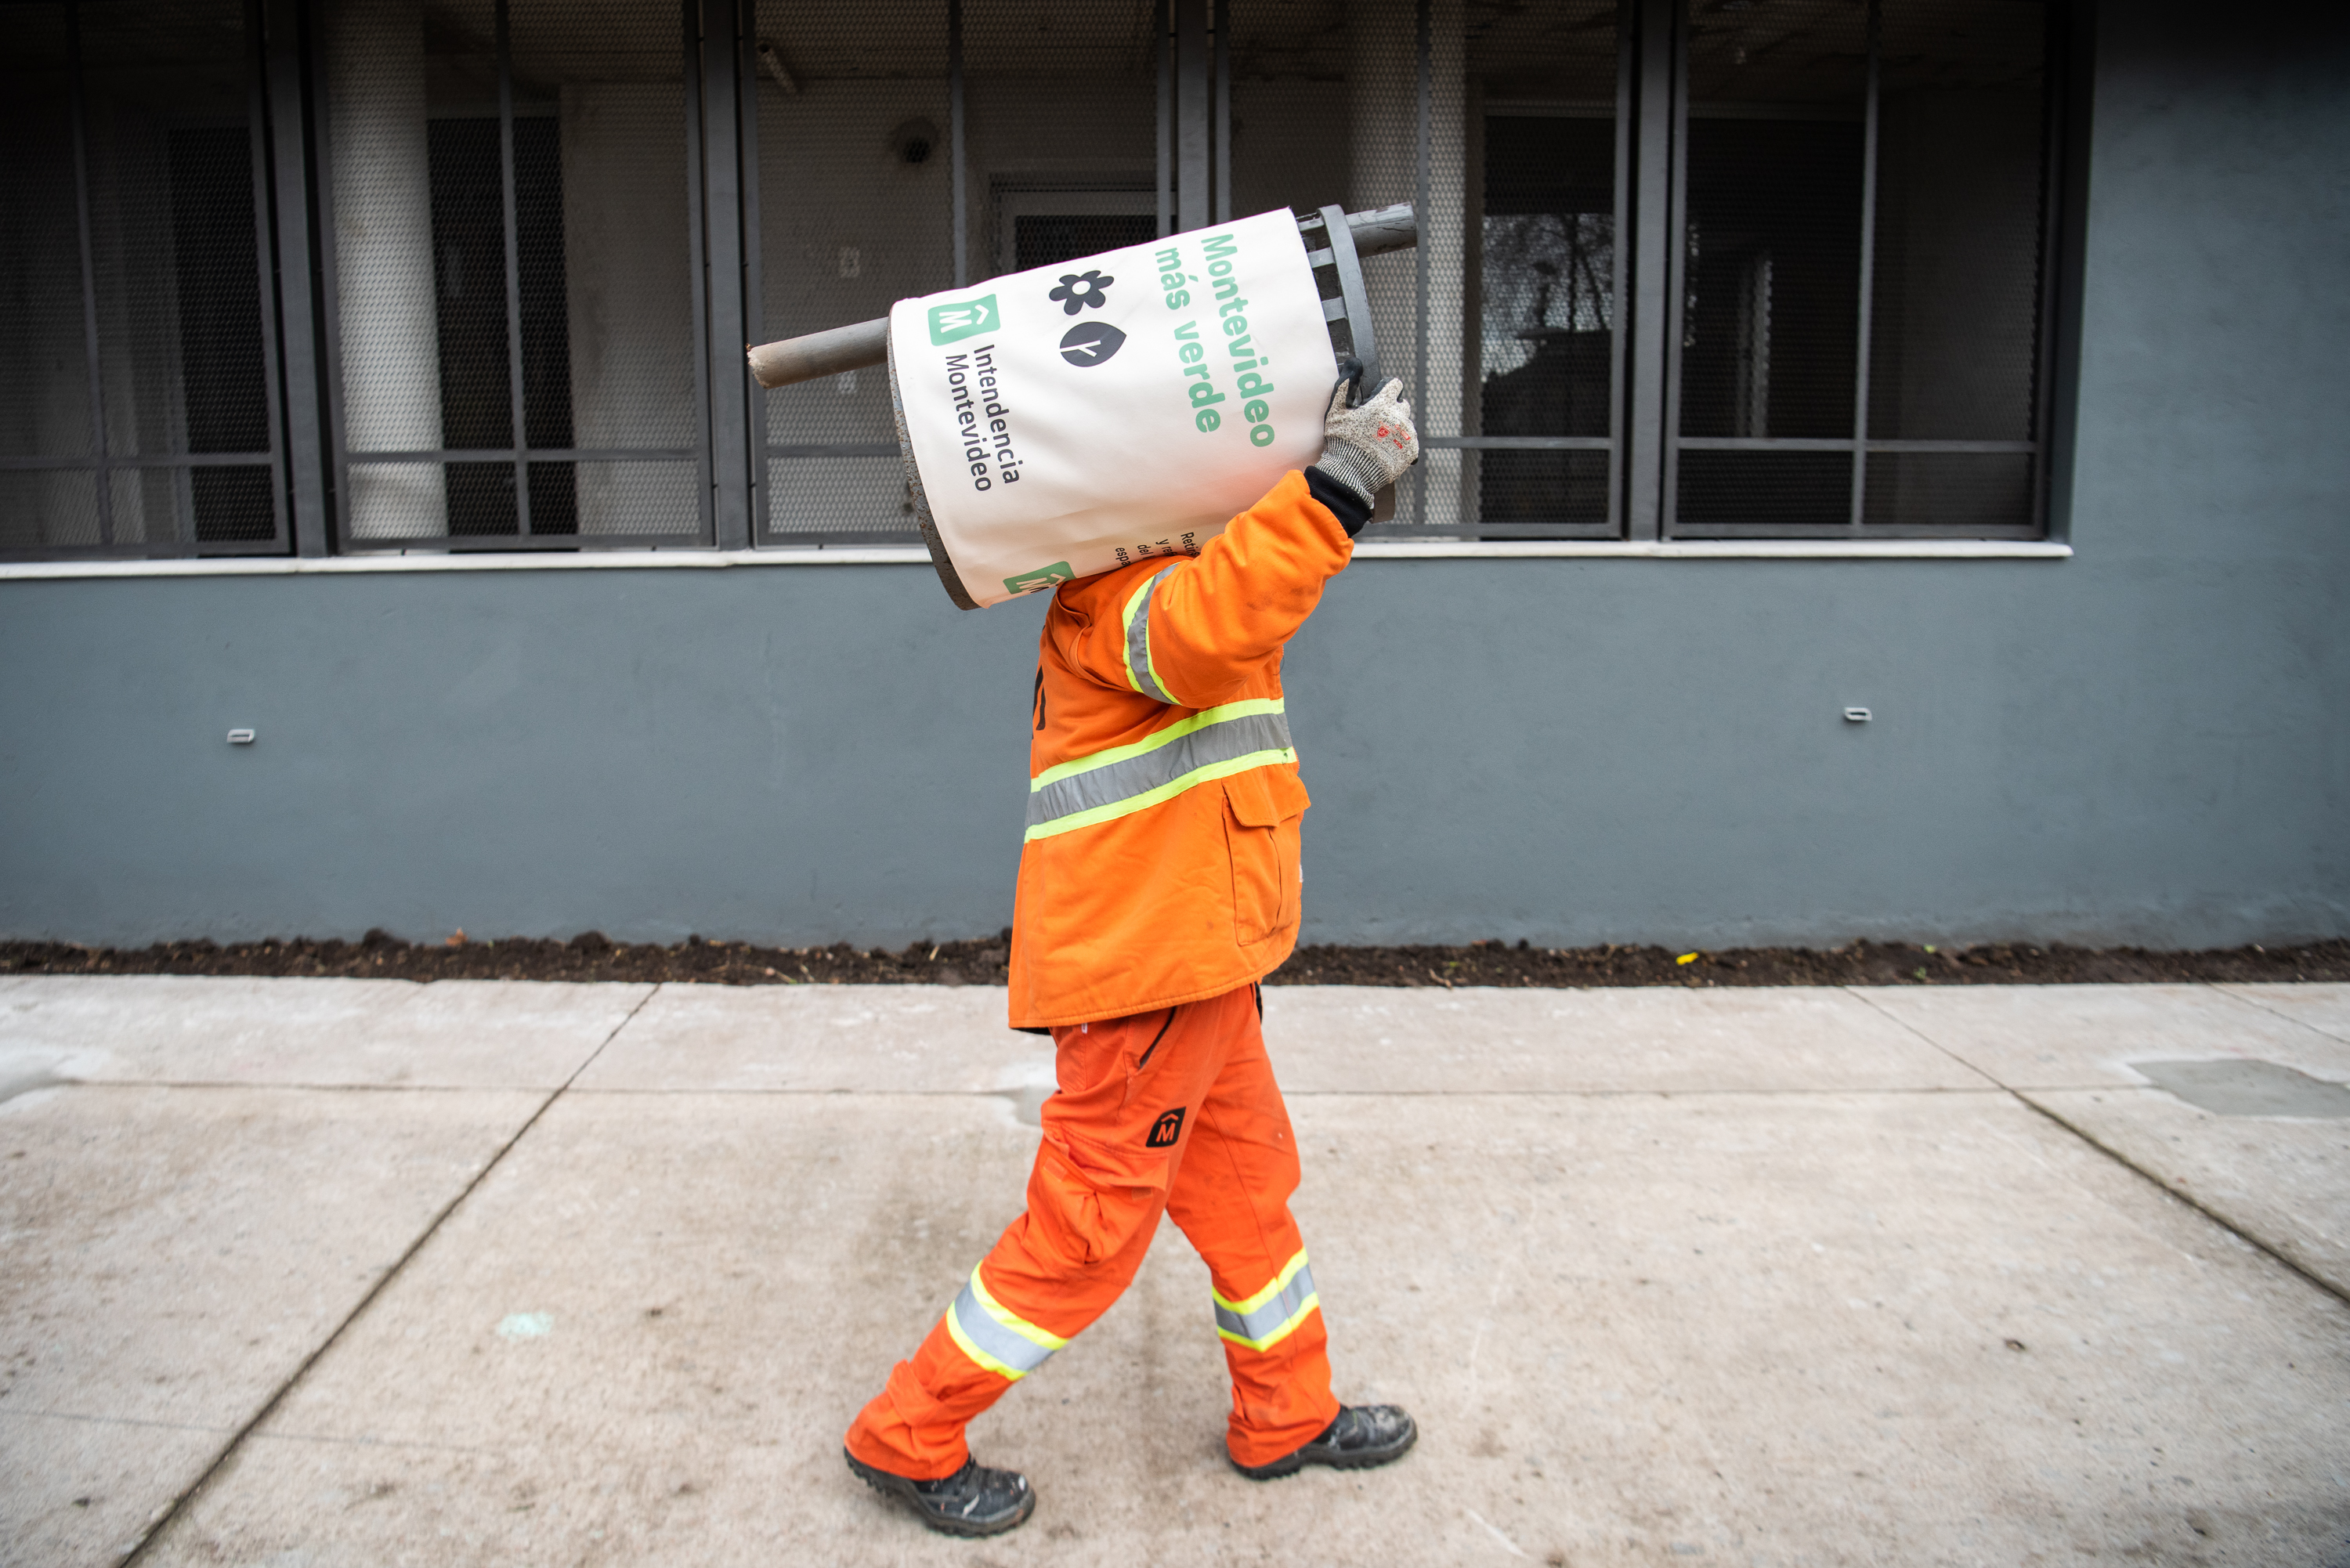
x=1331, y=1458
x=888, y=1485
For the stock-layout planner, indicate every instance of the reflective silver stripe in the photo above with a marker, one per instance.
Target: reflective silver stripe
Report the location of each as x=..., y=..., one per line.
x=1138, y=643
x=1014, y=1354
x=1223, y=741
x=1264, y=1323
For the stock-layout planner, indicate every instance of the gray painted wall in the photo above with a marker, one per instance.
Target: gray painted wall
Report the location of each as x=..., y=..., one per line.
x=2150, y=742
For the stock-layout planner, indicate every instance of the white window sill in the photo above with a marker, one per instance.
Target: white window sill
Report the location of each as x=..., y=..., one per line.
x=1721, y=549
x=915, y=555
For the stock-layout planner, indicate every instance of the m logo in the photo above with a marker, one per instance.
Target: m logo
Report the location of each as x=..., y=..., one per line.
x=965, y=318
x=1042, y=579
x=1166, y=1129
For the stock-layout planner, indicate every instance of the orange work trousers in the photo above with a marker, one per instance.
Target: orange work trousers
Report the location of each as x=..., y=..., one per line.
x=1177, y=1111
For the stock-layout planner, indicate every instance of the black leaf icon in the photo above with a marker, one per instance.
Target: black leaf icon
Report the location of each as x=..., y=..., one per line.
x=1079, y=290
x=1090, y=342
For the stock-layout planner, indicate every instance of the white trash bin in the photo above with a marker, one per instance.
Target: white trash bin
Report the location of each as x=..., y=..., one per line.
x=1068, y=419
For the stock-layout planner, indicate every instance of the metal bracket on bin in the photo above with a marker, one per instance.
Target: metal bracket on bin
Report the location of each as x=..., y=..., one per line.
x=1352, y=304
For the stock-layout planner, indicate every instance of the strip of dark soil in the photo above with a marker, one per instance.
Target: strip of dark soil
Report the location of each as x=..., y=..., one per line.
x=982, y=962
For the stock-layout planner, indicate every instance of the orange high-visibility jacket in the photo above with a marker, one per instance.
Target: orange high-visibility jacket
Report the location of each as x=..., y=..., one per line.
x=1160, y=861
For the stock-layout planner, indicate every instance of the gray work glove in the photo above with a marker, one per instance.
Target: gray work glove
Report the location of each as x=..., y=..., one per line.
x=1365, y=448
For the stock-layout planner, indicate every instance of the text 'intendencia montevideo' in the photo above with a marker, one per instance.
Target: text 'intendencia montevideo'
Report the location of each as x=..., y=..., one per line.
x=1217, y=256
x=977, y=391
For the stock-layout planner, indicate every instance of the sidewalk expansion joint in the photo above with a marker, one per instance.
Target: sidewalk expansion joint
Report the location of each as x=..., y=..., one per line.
x=2180, y=1195
x=2159, y=1185
x=2278, y=1013
x=111, y=1421
x=1595, y=1092
x=164, y=1517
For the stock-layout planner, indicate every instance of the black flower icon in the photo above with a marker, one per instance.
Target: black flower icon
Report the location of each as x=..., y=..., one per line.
x=1079, y=290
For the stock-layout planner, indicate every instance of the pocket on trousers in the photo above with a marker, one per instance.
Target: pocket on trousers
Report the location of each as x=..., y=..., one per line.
x=1261, y=808
x=1094, y=1199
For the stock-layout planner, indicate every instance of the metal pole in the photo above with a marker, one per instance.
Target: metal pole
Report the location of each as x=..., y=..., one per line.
x=1867, y=283
x=1159, y=24
x=2064, y=104
x=725, y=54
x=1191, y=208
x=760, y=509
x=1654, y=316
x=1420, y=258
x=504, y=24
x=103, y=475
x=1620, y=247
x=295, y=426
x=956, y=191
x=698, y=251
x=1223, y=129
x=256, y=121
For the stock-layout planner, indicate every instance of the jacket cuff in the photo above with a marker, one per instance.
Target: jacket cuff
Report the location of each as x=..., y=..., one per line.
x=1350, y=509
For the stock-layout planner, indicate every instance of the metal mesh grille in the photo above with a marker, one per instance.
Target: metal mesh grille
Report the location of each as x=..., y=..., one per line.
x=855, y=213
x=1290, y=122
x=514, y=313
x=45, y=414
x=1325, y=105
x=47, y=509
x=1955, y=492
x=1769, y=491
x=634, y=499
x=1770, y=260
x=1383, y=141
x=1954, y=326
x=857, y=201
x=1059, y=100
x=136, y=340
x=1541, y=284
x=515, y=310
x=1042, y=239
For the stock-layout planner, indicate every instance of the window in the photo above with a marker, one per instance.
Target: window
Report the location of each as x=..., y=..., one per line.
x=459, y=275
x=1857, y=342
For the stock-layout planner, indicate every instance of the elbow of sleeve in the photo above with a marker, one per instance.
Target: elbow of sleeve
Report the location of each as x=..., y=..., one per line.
x=1204, y=679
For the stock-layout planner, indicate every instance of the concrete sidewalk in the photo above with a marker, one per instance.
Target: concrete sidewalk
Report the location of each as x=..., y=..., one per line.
x=505, y=1273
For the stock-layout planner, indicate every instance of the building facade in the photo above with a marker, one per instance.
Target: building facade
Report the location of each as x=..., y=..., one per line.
x=373, y=384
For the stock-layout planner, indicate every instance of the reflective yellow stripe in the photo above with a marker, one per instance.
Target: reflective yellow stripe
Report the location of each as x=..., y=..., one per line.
x=963, y=1342
x=1045, y=1339
x=994, y=1337
x=1148, y=798
x=1156, y=739
x=1311, y=1304
x=1135, y=623
x=1280, y=1283
x=1274, y=1313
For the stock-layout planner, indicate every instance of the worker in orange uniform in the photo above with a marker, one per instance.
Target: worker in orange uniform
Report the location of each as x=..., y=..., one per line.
x=1159, y=883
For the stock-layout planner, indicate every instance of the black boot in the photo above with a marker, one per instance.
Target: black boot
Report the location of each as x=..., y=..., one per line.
x=971, y=1502
x=1363, y=1436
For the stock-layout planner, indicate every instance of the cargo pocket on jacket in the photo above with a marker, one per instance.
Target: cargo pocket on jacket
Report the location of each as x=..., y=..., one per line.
x=1262, y=807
